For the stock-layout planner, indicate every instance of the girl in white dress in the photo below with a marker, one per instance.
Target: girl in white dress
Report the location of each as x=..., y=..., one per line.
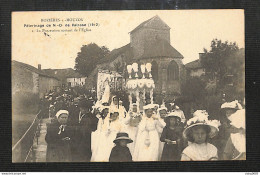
x=132, y=121
x=199, y=129
x=107, y=134
x=147, y=141
x=95, y=137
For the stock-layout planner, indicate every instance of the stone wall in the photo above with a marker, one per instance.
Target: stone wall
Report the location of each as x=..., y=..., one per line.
x=143, y=35
x=162, y=85
x=46, y=84
x=22, y=80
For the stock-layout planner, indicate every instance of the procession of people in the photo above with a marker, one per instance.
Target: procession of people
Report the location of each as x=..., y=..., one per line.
x=83, y=129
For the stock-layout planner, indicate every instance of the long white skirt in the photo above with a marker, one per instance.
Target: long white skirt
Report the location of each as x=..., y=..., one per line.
x=132, y=132
x=147, y=146
x=103, y=147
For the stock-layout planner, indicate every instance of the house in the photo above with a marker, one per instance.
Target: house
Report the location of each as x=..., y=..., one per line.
x=149, y=43
x=69, y=77
x=26, y=78
x=195, y=68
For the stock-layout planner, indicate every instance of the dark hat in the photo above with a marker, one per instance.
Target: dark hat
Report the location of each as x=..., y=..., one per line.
x=122, y=136
x=85, y=104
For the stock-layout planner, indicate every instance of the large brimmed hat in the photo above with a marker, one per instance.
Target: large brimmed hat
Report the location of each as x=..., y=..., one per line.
x=122, y=136
x=162, y=108
x=231, y=105
x=200, y=118
x=149, y=106
x=174, y=114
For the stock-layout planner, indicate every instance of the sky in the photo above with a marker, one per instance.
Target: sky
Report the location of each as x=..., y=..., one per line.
x=191, y=31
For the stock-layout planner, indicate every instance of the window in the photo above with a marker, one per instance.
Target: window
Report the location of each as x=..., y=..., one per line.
x=154, y=71
x=173, y=71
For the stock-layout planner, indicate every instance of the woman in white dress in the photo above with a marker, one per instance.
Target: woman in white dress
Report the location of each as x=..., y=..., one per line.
x=199, y=129
x=147, y=141
x=96, y=135
x=132, y=121
x=108, y=131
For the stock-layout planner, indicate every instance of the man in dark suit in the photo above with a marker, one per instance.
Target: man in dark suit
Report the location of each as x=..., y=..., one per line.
x=84, y=123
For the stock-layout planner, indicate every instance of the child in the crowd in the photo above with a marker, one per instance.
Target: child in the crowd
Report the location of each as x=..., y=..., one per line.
x=171, y=135
x=199, y=129
x=228, y=108
x=236, y=145
x=162, y=113
x=131, y=122
x=147, y=140
x=108, y=132
x=121, y=153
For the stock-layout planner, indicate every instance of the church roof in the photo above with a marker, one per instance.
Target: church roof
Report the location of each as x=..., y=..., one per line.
x=124, y=50
x=194, y=64
x=155, y=22
x=160, y=48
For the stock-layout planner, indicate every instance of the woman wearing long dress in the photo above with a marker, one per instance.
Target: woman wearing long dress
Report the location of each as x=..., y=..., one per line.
x=58, y=138
x=96, y=135
x=107, y=135
x=147, y=141
x=131, y=122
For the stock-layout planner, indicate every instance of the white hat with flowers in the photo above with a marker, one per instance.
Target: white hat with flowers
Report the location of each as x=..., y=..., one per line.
x=238, y=119
x=200, y=117
x=149, y=106
x=163, y=107
x=231, y=105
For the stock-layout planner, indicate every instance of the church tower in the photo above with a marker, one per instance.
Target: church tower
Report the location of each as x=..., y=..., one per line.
x=148, y=32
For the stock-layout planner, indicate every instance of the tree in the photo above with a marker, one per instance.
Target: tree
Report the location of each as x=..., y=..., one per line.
x=88, y=57
x=214, y=60
x=227, y=63
x=194, y=89
x=118, y=67
x=236, y=67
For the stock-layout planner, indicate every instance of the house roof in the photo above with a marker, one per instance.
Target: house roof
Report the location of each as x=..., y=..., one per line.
x=125, y=50
x=194, y=64
x=31, y=68
x=63, y=73
x=160, y=48
x=151, y=22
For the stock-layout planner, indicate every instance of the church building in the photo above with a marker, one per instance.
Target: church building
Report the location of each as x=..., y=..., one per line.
x=150, y=43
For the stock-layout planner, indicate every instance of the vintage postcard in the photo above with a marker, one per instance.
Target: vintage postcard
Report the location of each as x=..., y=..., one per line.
x=128, y=86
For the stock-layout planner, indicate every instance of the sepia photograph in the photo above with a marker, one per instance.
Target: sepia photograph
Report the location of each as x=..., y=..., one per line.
x=128, y=86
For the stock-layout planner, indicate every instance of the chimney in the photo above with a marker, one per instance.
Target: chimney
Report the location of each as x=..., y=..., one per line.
x=39, y=67
x=201, y=55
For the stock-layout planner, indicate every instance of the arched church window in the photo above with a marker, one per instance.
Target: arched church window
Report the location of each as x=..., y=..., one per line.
x=173, y=71
x=154, y=71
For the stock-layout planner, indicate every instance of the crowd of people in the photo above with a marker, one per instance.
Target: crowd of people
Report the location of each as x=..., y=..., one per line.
x=83, y=130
